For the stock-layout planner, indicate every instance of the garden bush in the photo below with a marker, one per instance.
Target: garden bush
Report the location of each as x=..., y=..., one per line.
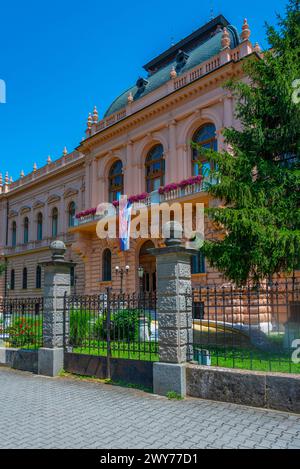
x=124, y=325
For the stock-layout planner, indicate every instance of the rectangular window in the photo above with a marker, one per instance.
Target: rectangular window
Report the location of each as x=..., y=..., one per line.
x=198, y=263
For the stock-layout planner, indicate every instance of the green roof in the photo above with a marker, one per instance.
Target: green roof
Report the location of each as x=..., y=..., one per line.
x=199, y=54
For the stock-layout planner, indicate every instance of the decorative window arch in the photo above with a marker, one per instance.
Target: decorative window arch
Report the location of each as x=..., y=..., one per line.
x=205, y=136
x=12, y=279
x=116, y=181
x=38, y=277
x=14, y=234
x=155, y=168
x=106, y=265
x=71, y=214
x=54, y=217
x=26, y=230
x=24, y=279
x=40, y=226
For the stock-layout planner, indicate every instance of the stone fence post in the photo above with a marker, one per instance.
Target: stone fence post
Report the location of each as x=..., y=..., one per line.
x=57, y=283
x=174, y=313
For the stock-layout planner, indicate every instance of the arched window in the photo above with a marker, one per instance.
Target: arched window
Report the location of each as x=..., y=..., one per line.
x=155, y=168
x=54, y=222
x=26, y=231
x=116, y=181
x=12, y=279
x=198, y=263
x=206, y=138
x=72, y=213
x=106, y=266
x=39, y=227
x=38, y=277
x=14, y=234
x=24, y=279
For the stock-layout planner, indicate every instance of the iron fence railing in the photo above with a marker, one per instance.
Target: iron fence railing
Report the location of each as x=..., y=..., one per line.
x=254, y=327
x=111, y=325
x=21, y=323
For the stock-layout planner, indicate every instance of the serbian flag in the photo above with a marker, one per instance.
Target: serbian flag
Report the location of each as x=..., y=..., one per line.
x=125, y=210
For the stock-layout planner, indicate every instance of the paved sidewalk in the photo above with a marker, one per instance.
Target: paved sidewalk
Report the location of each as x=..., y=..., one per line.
x=38, y=412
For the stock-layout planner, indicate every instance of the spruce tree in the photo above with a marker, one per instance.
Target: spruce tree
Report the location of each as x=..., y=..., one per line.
x=259, y=179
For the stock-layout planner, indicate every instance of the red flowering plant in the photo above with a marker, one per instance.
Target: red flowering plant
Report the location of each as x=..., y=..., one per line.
x=25, y=332
x=181, y=185
x=168, y=188
x=190, y=181
x=86, y=213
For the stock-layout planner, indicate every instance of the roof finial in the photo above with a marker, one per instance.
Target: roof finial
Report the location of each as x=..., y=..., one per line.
x=22, y=174
x=34, y=167
x=1, y=179
x=65, y=151
x=130, y=98
x=245, y=35
x=6, y=180
x=89, y=121
x=95, y=115
x=257, y=48
x=11, y=179
x=225, y=42
x=49, y=159
x=173, y=73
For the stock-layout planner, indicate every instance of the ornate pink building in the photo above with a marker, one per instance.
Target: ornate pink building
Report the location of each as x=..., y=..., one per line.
x=140, y=146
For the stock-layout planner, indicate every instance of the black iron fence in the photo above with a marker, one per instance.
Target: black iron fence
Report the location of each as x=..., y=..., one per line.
x=21, y=323
x=111, y=325
x=254, y=328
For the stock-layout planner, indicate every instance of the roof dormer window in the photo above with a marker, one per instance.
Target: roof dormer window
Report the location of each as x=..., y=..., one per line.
x=181, y=58
x=141, y=84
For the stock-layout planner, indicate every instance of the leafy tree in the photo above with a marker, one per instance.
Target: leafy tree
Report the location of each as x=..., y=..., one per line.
x=260, y=175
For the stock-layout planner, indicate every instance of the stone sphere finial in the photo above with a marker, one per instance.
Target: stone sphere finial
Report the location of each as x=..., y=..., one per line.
x=172, y=232
x=173, y=73
x=58, y=249
x=245, y=35
x=225, y=41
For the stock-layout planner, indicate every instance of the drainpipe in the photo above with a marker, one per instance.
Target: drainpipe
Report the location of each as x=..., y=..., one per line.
x=6, y=244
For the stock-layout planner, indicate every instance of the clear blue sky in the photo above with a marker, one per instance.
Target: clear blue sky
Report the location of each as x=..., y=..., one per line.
x=60, y=58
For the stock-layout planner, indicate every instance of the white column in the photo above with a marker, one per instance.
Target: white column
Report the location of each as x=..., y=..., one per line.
x=172, y=161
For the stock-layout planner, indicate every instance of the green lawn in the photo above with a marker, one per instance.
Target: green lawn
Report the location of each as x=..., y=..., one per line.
x=247, y=359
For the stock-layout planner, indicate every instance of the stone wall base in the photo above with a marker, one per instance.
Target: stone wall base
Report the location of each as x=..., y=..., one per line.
x=169, y=377
x=24, y=360
x=266, y=390
x=50, y=361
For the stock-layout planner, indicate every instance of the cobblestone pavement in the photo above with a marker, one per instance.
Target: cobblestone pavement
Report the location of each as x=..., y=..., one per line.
x=37, y=412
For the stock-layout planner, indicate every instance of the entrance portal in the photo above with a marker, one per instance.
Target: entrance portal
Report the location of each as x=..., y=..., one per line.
x=148, y=262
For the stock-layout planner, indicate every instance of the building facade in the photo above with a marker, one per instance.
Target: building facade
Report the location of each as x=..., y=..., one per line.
x=142, y=147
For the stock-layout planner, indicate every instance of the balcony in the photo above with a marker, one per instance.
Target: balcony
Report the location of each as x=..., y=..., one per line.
x=35, y=245
x=183, y=193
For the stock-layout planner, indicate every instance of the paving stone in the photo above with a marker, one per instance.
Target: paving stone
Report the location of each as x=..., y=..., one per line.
x=90, y=415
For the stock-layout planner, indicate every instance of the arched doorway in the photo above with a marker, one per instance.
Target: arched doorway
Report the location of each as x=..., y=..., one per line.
x=148, y=262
